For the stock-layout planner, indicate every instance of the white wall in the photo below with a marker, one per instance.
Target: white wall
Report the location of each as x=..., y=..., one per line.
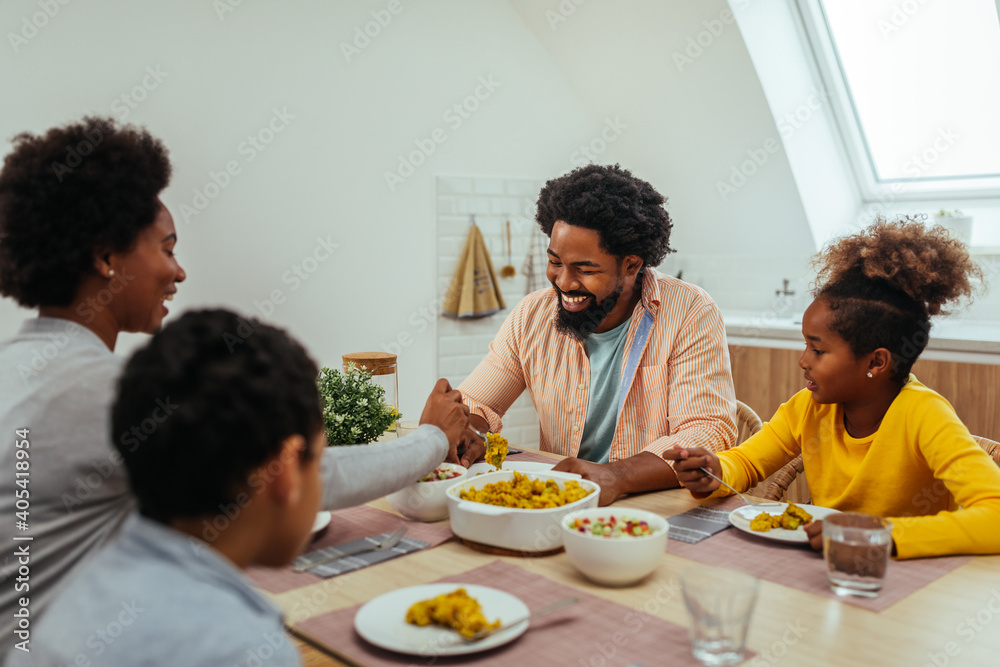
x=462, y=343
x=322, y=175
x=686, y=126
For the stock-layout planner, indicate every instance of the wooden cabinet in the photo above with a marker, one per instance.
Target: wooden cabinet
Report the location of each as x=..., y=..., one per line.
x=766, y=377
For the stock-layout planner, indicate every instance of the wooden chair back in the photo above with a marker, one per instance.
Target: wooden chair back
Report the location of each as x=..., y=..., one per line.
x=747, y=422
x=782, y=479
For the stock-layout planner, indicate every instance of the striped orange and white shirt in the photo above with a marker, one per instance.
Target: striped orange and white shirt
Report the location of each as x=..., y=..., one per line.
x=682, y=392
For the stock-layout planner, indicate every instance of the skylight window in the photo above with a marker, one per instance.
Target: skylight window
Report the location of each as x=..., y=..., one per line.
x=919, y=85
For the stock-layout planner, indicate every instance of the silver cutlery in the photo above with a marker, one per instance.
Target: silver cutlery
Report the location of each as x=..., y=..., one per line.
x=510, y=452
x=387, y=543
x=482, y=634
x=747, y=499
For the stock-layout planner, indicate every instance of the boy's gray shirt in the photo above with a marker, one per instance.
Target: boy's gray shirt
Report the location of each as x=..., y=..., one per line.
x=155, y=596
x=58, y=381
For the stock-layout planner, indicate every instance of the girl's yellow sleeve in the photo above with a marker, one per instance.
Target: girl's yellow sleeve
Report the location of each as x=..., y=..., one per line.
x=765, y=452
x=968, y=474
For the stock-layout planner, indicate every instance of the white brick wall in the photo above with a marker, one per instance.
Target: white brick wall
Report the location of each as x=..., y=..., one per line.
x=463, y=344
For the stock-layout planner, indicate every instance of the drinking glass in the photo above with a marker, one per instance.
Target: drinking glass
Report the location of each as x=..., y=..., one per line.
x=857, y=549
x=720, y=603
x=407, y=427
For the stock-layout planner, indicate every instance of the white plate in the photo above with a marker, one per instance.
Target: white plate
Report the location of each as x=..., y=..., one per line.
x=322, y=521
x=382, y=621
x=742, y=516
x=520, y=466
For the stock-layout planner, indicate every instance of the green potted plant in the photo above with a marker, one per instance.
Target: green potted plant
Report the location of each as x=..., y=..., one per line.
x=354, y=407
x=956, y=222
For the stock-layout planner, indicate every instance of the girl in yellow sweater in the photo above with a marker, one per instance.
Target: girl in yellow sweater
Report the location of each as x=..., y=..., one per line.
x=873, y=439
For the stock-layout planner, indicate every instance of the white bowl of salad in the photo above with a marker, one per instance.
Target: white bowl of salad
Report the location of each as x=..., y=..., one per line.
x=425, y=499
x=615, y=546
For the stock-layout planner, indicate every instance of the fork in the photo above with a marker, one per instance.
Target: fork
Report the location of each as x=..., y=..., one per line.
x=482, y=634
x=387, y=543
x=754, y=503
x=510, y=452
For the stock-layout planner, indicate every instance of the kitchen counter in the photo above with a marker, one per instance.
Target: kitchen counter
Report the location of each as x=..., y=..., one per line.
x=969, y=341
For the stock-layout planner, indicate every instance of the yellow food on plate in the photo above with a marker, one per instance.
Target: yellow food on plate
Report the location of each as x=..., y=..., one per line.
x=527, y=493
x=456, y=610
x=793, y=517
x=763, y=522
x=496, y=449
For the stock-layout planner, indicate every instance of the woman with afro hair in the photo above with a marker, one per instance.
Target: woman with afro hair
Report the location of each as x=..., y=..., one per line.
x=873, y=439
x=85, y=240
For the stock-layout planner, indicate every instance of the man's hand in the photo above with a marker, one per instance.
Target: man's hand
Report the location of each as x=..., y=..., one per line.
x=815, y=532
x=444, y=409
x=604, y=474
x=636, y=474
x=686, y=466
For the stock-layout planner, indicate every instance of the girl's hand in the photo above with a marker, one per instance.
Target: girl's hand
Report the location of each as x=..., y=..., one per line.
x=686, y=466
x=815, y=532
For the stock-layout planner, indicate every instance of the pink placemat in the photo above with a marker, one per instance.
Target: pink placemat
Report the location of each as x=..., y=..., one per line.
x=594, y=631
x=800, y=567
x=347, y=525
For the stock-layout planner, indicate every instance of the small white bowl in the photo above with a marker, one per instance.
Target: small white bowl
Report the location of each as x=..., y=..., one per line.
x=615, y=561
x=426, y=501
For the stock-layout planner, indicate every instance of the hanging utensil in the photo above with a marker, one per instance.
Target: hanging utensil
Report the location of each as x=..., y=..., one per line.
x=508, y=271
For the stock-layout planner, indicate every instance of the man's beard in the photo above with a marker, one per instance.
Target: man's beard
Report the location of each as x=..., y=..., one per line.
x=580, y=325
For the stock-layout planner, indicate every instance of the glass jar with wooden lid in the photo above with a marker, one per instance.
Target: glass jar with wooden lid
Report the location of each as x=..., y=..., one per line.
x=382, y=366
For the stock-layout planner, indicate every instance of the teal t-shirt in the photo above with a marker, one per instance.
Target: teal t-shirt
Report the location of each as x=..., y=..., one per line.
x=605, y=351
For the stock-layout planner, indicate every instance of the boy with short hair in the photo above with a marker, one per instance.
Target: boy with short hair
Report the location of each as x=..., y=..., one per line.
x=245, y=431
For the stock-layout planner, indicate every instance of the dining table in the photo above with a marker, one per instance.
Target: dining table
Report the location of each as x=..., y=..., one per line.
x=954, y=619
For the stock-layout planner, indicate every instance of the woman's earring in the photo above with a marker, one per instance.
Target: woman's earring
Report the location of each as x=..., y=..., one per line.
x=111, y=273
x=870, y=374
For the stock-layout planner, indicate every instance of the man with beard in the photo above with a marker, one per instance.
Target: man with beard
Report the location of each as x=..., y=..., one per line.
x=622, y=363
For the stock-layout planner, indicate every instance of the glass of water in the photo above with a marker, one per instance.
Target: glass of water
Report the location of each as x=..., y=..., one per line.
x=856, y=548
x=720, y=603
